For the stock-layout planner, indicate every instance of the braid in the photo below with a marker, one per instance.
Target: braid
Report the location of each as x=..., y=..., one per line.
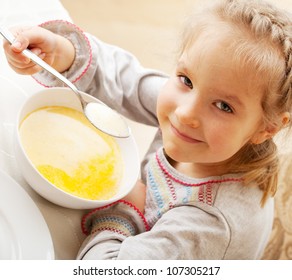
x=287, y=83
x=264, y=21
x=274, y=27
x=281, y=32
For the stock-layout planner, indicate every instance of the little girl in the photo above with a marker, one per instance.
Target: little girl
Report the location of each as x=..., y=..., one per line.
x=211, y=171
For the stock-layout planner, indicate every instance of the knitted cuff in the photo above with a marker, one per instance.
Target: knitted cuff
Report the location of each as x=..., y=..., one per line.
x=82, y=48
x=114, y=223
x=120, y=217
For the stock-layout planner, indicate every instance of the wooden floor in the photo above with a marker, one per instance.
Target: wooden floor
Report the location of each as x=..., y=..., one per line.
x=146, y=28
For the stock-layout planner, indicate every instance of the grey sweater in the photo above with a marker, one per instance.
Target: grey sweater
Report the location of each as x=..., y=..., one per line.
x=185, y=218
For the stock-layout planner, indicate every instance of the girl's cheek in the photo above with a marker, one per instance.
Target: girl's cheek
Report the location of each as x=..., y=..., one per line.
x=164, y=100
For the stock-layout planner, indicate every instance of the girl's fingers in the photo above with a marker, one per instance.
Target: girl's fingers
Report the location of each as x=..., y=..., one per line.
x=23, y=65
x=29, y=70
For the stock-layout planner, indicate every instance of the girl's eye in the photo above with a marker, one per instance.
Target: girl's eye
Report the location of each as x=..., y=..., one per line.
x=186, y=81
x=223, y=107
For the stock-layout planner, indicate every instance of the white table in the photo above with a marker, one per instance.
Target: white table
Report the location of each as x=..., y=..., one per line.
x=63, y=223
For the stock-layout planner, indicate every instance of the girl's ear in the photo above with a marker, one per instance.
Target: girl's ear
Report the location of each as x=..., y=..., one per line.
x=269, y=131
x=285, y=119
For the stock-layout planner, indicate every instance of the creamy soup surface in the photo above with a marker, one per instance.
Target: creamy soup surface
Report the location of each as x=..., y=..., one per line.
x=70, y=153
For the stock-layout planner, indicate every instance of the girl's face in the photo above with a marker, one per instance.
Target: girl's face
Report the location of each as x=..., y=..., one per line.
x=210, y=107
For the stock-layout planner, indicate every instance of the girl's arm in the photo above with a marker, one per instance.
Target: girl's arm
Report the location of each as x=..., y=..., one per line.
x=186, y=232
x=110, y=73
x=107, y=72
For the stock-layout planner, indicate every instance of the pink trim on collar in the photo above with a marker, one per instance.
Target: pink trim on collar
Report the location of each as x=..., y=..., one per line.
x=164, y=169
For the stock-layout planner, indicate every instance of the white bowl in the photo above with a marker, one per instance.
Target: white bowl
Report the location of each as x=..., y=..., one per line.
x=65, y=97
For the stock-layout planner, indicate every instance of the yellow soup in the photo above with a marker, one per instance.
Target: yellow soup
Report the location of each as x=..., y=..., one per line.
x=70, y=153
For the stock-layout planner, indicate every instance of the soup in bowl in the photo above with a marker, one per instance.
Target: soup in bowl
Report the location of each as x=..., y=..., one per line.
x=66, y=159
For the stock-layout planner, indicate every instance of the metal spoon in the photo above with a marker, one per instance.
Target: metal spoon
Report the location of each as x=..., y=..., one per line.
x=99, y=114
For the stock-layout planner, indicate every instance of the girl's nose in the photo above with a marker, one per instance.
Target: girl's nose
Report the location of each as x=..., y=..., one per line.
x=188, y=114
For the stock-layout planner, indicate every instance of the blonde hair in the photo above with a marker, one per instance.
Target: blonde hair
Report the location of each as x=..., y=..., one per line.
x=267, y=45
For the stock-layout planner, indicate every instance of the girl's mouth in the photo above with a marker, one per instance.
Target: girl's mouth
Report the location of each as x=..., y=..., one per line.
x=184, y=137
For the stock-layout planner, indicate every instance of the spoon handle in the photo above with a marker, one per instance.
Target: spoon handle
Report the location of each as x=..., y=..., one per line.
x=10, y=38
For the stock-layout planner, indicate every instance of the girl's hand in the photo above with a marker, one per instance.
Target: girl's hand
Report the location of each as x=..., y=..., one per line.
x=52, y=48
x=137, y=196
